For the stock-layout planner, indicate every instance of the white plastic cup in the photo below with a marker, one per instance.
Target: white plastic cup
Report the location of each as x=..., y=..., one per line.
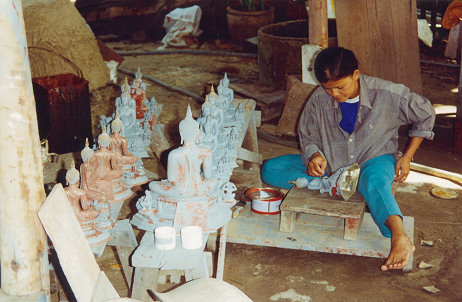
x=191, y=237
x=165, y=238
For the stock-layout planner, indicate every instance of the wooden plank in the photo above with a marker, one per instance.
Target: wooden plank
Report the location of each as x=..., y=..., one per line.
x=250, y=156
x=404, y=20
x=250, y=143
x=287, y=222
x=74, y=253
x=261, y=94
x=312, y=202
x=104, y=290
x=383, y=36
x=249, y=109
x=352, y=226
x=123, y=238
x=352, y=30
x=317, y=14
x=257, y=118
x=124, y=254
x=144, y=279
x=221, y=252
x=456, y=177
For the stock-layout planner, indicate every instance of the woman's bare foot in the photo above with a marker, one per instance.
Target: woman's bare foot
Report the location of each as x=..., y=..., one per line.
x=400, y=252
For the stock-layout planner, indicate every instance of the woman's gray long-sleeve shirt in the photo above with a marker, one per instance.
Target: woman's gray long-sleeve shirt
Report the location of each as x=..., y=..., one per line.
x=383, y=107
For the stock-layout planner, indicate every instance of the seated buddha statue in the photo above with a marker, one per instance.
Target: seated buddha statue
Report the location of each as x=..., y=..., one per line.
x=94, y=218
x=88, y=177
x=108, y=175
x=85, y=212
x=185, y=164
x=126, y=161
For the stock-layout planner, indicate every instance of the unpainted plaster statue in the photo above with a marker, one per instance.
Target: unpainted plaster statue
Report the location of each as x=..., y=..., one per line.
x=95, y=223
x=190, y=195
x=186, y=163
x=138, y=93
x=224, y=90
x=217, y=111
x=221, y=124
x=209, y=134
x=205, y=112
x=139, y=116
x=127, y=112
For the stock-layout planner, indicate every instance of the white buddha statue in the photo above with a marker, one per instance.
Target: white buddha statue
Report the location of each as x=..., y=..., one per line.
x=185, y=163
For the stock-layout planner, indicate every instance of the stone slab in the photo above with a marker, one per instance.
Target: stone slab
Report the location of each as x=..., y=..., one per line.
x=296, y=97
x=312, y=233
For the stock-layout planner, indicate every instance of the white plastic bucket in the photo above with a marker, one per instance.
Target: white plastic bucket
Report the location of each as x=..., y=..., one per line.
x=165, y=238
x=191, y=237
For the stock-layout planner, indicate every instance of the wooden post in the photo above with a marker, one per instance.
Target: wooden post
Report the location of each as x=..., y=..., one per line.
x=23, y=245
x=317, y=22
x=457, y=147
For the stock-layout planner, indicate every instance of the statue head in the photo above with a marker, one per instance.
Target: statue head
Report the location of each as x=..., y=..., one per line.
x=138, y=75
x=220, y=88
x=212, y=96
x=225, y=81
x=87, y=152
x=125, y=86
x=116, y=123
x=72, y=175
x=125, y=97
x=104, y=139
x=206, y=106
x=189, y=128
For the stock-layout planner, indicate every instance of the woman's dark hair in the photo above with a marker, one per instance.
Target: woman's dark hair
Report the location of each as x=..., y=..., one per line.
x=334, y=63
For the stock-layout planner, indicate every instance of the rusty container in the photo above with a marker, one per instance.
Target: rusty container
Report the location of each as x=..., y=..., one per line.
x=280, y=50
x=244, y=24
x=63, y=111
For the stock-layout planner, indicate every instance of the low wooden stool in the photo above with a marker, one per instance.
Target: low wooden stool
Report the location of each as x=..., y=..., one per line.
x=302, y=200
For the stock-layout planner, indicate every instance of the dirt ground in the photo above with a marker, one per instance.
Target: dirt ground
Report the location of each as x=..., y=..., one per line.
x=276, y=274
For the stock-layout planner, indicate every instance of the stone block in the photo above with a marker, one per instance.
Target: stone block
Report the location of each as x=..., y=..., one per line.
x=297, y=94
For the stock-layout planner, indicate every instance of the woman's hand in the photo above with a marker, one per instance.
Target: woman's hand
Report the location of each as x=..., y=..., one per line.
x=317, y=165
x=402, y=169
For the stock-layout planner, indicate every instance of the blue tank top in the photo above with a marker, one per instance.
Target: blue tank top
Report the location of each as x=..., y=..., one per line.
x=349, y=110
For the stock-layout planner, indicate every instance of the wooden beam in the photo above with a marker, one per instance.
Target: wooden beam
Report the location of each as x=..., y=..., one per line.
x=104, y=290
x=437, y=172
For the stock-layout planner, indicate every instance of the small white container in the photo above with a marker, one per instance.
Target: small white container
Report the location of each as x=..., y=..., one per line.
x=165, y=238
x=191, y=237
